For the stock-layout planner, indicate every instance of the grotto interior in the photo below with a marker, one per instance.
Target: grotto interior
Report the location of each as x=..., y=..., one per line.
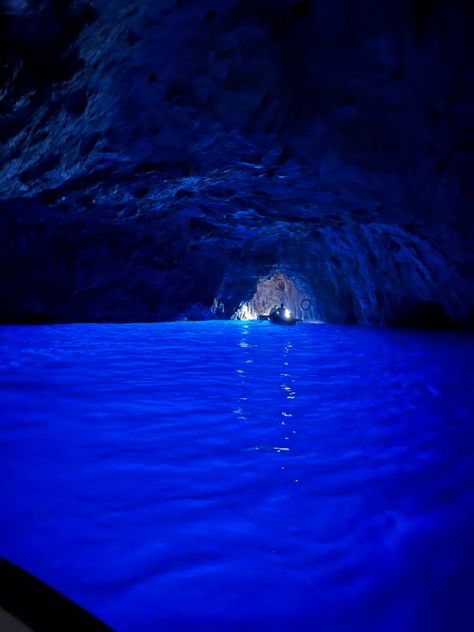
x=161, y=161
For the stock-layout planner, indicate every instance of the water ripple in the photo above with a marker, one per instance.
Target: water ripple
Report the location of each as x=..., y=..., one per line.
x=235, y=476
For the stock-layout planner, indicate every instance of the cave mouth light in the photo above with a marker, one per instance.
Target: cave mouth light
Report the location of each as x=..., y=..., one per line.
x=271, y=292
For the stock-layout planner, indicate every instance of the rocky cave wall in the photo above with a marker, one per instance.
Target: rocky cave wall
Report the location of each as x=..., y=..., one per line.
x=159, y=158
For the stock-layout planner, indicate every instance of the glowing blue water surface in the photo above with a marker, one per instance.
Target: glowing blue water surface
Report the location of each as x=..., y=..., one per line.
x=232, y=476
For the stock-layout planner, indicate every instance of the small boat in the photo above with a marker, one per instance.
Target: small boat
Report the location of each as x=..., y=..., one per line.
x=281, y=316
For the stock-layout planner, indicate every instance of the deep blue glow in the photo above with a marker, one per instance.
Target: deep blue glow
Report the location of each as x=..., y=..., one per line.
x=230, y=476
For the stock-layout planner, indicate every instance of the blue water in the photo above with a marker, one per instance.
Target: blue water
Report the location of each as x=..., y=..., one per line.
x=231, y=476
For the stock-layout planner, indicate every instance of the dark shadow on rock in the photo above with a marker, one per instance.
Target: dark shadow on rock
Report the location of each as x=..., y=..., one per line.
x=35, y=43
x=425, y=315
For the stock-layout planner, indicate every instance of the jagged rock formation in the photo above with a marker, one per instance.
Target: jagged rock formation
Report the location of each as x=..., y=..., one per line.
x=157, y=159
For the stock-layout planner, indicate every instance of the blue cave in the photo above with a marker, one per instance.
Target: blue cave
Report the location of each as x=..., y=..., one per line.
x=171, y=172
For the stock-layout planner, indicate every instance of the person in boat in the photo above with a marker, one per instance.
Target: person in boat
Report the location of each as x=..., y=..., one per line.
x=281, y=316
x=280, y=312
x=277, y=311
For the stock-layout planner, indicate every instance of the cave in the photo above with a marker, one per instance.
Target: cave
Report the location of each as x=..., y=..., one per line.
x=170, y=172
x=170, y=145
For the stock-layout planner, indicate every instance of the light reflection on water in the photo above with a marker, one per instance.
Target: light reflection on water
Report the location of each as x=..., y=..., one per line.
x=238, y=476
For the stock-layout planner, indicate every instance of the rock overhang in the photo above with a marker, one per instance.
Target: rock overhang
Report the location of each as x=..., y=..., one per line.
x=208, y=161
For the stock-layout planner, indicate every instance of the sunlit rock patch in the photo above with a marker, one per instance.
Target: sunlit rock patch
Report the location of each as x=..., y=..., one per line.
x=271, y=292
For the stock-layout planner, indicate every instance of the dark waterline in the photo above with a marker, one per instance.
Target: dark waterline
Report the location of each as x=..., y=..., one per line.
x=232, y=476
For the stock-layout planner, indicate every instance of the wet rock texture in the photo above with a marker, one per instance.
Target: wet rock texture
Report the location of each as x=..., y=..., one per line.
x=158, y=159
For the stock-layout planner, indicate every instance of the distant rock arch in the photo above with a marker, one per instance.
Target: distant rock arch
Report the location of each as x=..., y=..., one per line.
x=273, y=290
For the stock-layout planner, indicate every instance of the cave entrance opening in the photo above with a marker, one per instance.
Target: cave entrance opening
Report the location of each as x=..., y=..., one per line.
x=271, y=292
